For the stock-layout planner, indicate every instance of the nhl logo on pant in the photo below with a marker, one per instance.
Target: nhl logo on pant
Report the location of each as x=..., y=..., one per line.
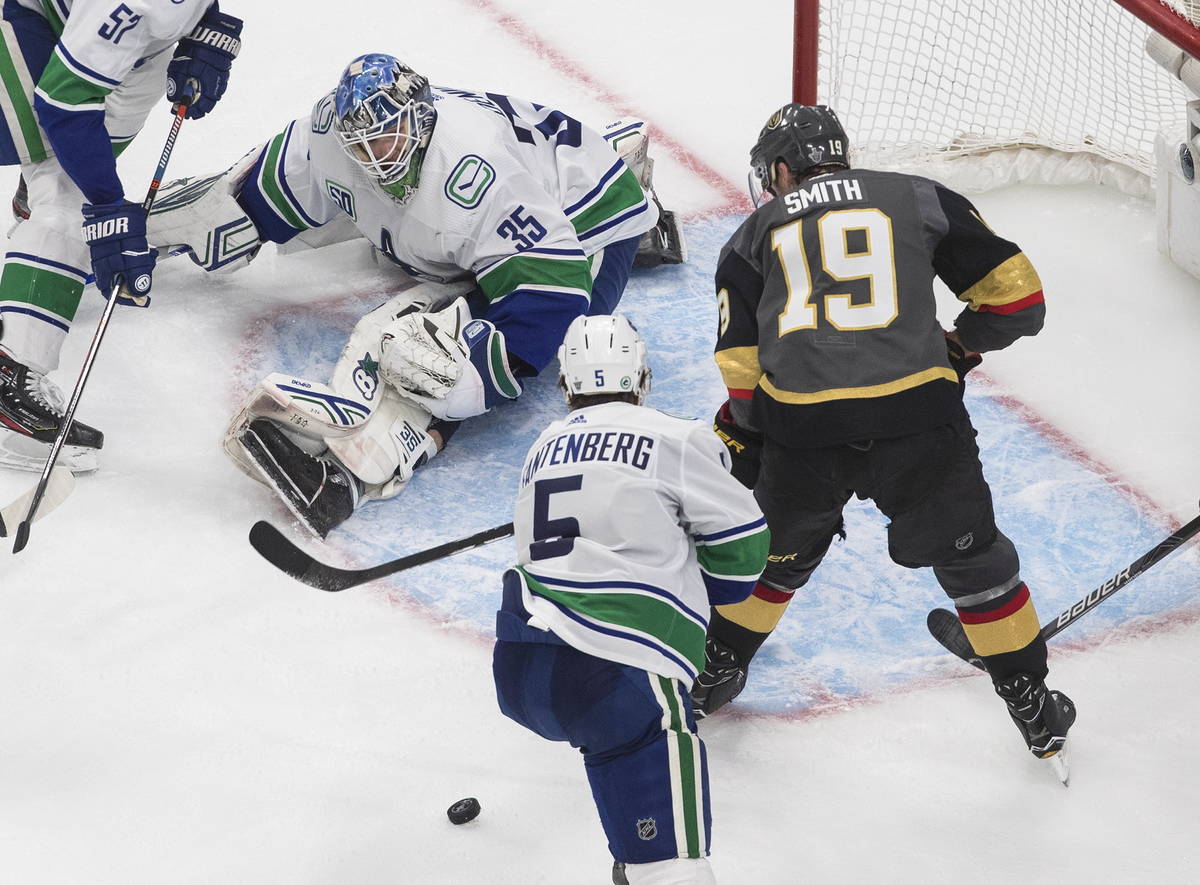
x=647, y=829
x=965, y=541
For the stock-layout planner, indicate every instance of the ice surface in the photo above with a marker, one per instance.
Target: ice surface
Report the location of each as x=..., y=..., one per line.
x=175, y=711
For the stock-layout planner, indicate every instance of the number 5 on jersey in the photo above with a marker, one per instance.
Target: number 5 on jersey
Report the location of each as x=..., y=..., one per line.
x=553, y=537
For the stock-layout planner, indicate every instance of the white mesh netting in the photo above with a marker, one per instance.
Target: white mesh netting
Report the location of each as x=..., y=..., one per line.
x=921, y=84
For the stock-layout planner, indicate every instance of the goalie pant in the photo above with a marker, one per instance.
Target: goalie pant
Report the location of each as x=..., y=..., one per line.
x=73, y=100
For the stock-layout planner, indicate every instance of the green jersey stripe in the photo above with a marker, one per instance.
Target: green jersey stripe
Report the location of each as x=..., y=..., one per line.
x=52, y=292
x=269, y=184
x=622, y=193
x=62, y=86
x=632, y=612
x=537, y=272
x=52, y=17
x=15, y=99
x=741, y=557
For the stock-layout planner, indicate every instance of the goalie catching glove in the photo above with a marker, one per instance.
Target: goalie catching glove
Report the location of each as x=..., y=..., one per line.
x=454, y=366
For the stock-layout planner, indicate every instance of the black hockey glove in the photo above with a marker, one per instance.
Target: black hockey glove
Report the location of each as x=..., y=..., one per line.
x=745, y=446
x=960, y=362
x=202, y=61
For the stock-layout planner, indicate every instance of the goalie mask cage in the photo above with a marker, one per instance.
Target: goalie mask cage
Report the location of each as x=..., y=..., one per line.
x=981, y=93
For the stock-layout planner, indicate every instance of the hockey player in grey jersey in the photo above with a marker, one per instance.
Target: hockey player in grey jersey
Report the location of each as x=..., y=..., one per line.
x=842, y=382
x=534, y=216
x=628, y=527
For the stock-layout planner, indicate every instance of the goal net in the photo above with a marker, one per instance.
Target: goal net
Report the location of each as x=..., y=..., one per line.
x=983, y=93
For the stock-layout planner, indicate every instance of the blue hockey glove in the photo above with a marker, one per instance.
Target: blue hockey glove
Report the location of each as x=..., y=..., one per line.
x=202, y=62
x=116, y=234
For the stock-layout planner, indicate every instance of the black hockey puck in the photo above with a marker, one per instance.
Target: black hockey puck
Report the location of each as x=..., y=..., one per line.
x=463, y=810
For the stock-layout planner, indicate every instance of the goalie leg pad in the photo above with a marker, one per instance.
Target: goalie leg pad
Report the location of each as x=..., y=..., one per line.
x=385, y=451
x=203, y=216
x=310, y=410
x=663, y=243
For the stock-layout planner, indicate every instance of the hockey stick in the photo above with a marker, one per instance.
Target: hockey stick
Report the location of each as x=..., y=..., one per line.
x=287, y=557
x=948, y=630
x=62, y=481
x=69, y=415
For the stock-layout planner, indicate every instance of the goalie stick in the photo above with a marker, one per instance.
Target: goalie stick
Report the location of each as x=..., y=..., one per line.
x=287, y=557
x=948, y=630
x=40, y=489
x=62, y=481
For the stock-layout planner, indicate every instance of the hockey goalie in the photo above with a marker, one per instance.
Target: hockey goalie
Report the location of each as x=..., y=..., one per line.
x=516, y=217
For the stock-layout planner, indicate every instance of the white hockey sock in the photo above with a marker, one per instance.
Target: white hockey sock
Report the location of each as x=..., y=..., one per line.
x=676, y=871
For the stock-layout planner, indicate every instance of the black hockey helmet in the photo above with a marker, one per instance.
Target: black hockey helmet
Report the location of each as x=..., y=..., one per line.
x=801, y=135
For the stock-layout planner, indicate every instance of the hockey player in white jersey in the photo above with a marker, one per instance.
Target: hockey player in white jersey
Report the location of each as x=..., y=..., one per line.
x=532, y=215
x=628, y=527
x=77, y=80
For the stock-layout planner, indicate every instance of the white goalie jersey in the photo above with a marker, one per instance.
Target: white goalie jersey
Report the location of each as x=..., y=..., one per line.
x=512, y=194
x=628, y=526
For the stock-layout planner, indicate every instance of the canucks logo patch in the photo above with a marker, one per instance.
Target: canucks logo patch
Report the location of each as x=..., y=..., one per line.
x=342, y=196
x=470, y=181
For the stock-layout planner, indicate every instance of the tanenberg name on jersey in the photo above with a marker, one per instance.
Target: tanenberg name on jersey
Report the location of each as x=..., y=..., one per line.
x=576, y=447
x=838, y=190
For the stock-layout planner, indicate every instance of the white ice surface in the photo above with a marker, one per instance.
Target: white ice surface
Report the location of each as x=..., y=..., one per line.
x=172, y=710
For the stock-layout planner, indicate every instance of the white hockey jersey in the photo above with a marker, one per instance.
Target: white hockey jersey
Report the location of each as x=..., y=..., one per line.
x=100, y=46
x=628, y=526
x=511, y=193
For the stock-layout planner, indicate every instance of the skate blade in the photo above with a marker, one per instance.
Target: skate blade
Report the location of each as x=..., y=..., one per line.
x=1061, y=765
x=22, y=453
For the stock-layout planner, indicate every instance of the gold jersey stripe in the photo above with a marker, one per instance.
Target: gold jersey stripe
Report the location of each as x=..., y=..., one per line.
x=1008, y=634
x=1011, y=281
x=755, y=614
x=834, y=393
x=739, y=367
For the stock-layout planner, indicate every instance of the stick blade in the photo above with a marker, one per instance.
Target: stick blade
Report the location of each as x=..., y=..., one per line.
x=60, y=484
x=945, y=627
x=275, y=548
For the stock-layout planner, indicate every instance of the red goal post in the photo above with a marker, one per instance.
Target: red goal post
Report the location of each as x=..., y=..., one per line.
x=925, y=83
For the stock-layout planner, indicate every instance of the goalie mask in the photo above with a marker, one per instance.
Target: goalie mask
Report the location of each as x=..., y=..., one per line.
x=803, y=137
x=384, y=117
x=603, y=355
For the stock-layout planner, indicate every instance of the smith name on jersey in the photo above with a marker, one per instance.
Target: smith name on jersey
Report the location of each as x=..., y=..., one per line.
x=828, y=321
x=628, y=527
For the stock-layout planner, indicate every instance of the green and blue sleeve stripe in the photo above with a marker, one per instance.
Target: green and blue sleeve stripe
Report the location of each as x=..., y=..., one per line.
x=628, y=610
x=69, y=102
x=732, y=560
x=533, y=296
x=615, y=199
x=267, y=196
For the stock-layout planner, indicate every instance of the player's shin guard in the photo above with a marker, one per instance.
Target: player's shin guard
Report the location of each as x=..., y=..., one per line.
x=735, y=634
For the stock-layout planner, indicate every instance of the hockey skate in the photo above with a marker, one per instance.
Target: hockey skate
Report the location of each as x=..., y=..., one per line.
x=319, y=491
x=31, y=410
x=722, y=679
x=1042, y=716
x=663, y=243
x=20, y=202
